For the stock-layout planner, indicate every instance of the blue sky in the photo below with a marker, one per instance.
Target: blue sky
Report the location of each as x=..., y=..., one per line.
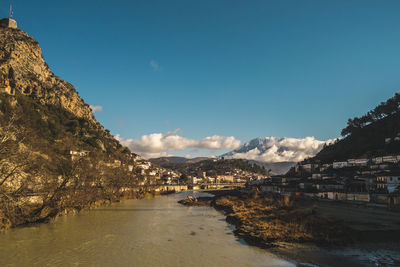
x=229, y=68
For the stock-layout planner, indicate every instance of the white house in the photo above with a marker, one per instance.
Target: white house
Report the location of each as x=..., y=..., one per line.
x=145, y=165
x=310, y=167
x=358, y=162
x=340, y=164
x=328, y=186
x=79, y=153
x=389, y=181
x=377, y=160
x=391, y=159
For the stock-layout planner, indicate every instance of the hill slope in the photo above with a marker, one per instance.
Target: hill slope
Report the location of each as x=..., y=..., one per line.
x=365, y=136
x=43, y=119
x=177, y=160
x=212, y=167
x=275, y=167
x=366, y=142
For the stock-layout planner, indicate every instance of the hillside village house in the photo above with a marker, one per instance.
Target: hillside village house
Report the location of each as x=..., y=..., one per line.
x=363, y=179
x=115, y=164
x=145, y=165
x=358, y=162
x=225, y=178
x=78, y=154
x=377, y=160
x=153, y=173
x=309, y=167
x=135, y=157
x=195, y=180
x=390, y=159
x=340, y=164
x=324, y=167
x=388, y=181
x=329, y=185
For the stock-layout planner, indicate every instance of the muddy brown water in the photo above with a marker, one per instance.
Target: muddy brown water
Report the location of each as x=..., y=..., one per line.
x=150, y=232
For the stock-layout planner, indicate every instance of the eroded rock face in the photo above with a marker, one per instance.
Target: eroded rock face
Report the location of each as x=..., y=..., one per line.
x=44, y=119
x=23, y=69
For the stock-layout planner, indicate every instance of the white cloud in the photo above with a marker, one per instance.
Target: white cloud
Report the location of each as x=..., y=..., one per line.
x=96, y=108
x=154, y=65
x=273, y=149
x=157, y=144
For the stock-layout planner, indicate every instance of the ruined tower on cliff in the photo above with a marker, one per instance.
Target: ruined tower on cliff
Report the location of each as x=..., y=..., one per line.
x=6, y=75
x=8, y=22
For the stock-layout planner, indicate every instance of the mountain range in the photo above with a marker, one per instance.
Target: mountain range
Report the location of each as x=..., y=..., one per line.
x=277, y=154
x=171, y=162
x=212, y=166
x=272, y=153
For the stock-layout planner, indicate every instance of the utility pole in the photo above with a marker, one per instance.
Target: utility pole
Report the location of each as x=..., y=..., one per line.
x=11, y=12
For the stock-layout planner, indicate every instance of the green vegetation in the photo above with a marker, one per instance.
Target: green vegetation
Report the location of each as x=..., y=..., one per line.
x=211, y=166
x=365, y=136
x=385, y=109
x=183, y=178
x=35, y=161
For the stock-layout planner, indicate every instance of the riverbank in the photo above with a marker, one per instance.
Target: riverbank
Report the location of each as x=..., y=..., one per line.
x=270, y=220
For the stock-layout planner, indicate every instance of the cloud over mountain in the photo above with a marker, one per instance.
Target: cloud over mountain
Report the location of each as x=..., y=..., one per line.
x=273, y=149
x=157, y=144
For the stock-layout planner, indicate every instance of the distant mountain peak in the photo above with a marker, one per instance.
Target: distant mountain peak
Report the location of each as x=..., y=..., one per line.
x=275, y=149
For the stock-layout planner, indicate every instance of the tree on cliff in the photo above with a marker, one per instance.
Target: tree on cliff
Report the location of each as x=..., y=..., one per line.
x=17, y=169
x=14, y=157
x=384, y=109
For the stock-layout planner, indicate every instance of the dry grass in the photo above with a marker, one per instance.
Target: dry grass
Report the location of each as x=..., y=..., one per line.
x=267, y=220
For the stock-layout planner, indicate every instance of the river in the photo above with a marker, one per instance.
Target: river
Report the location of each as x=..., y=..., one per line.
x=148, y=232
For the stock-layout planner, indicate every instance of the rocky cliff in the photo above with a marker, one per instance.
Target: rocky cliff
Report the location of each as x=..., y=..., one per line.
x=54, y=155
x=23, y=70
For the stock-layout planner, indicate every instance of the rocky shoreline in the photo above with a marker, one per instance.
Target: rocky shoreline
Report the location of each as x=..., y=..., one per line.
x=270, y=220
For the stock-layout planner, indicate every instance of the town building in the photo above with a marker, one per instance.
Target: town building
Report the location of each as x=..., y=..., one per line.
x=78, y=154
x=340, y=164
x=388, y=181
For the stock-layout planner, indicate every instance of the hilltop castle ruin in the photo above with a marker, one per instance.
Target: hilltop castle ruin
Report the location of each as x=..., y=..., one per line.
x=8, y=23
